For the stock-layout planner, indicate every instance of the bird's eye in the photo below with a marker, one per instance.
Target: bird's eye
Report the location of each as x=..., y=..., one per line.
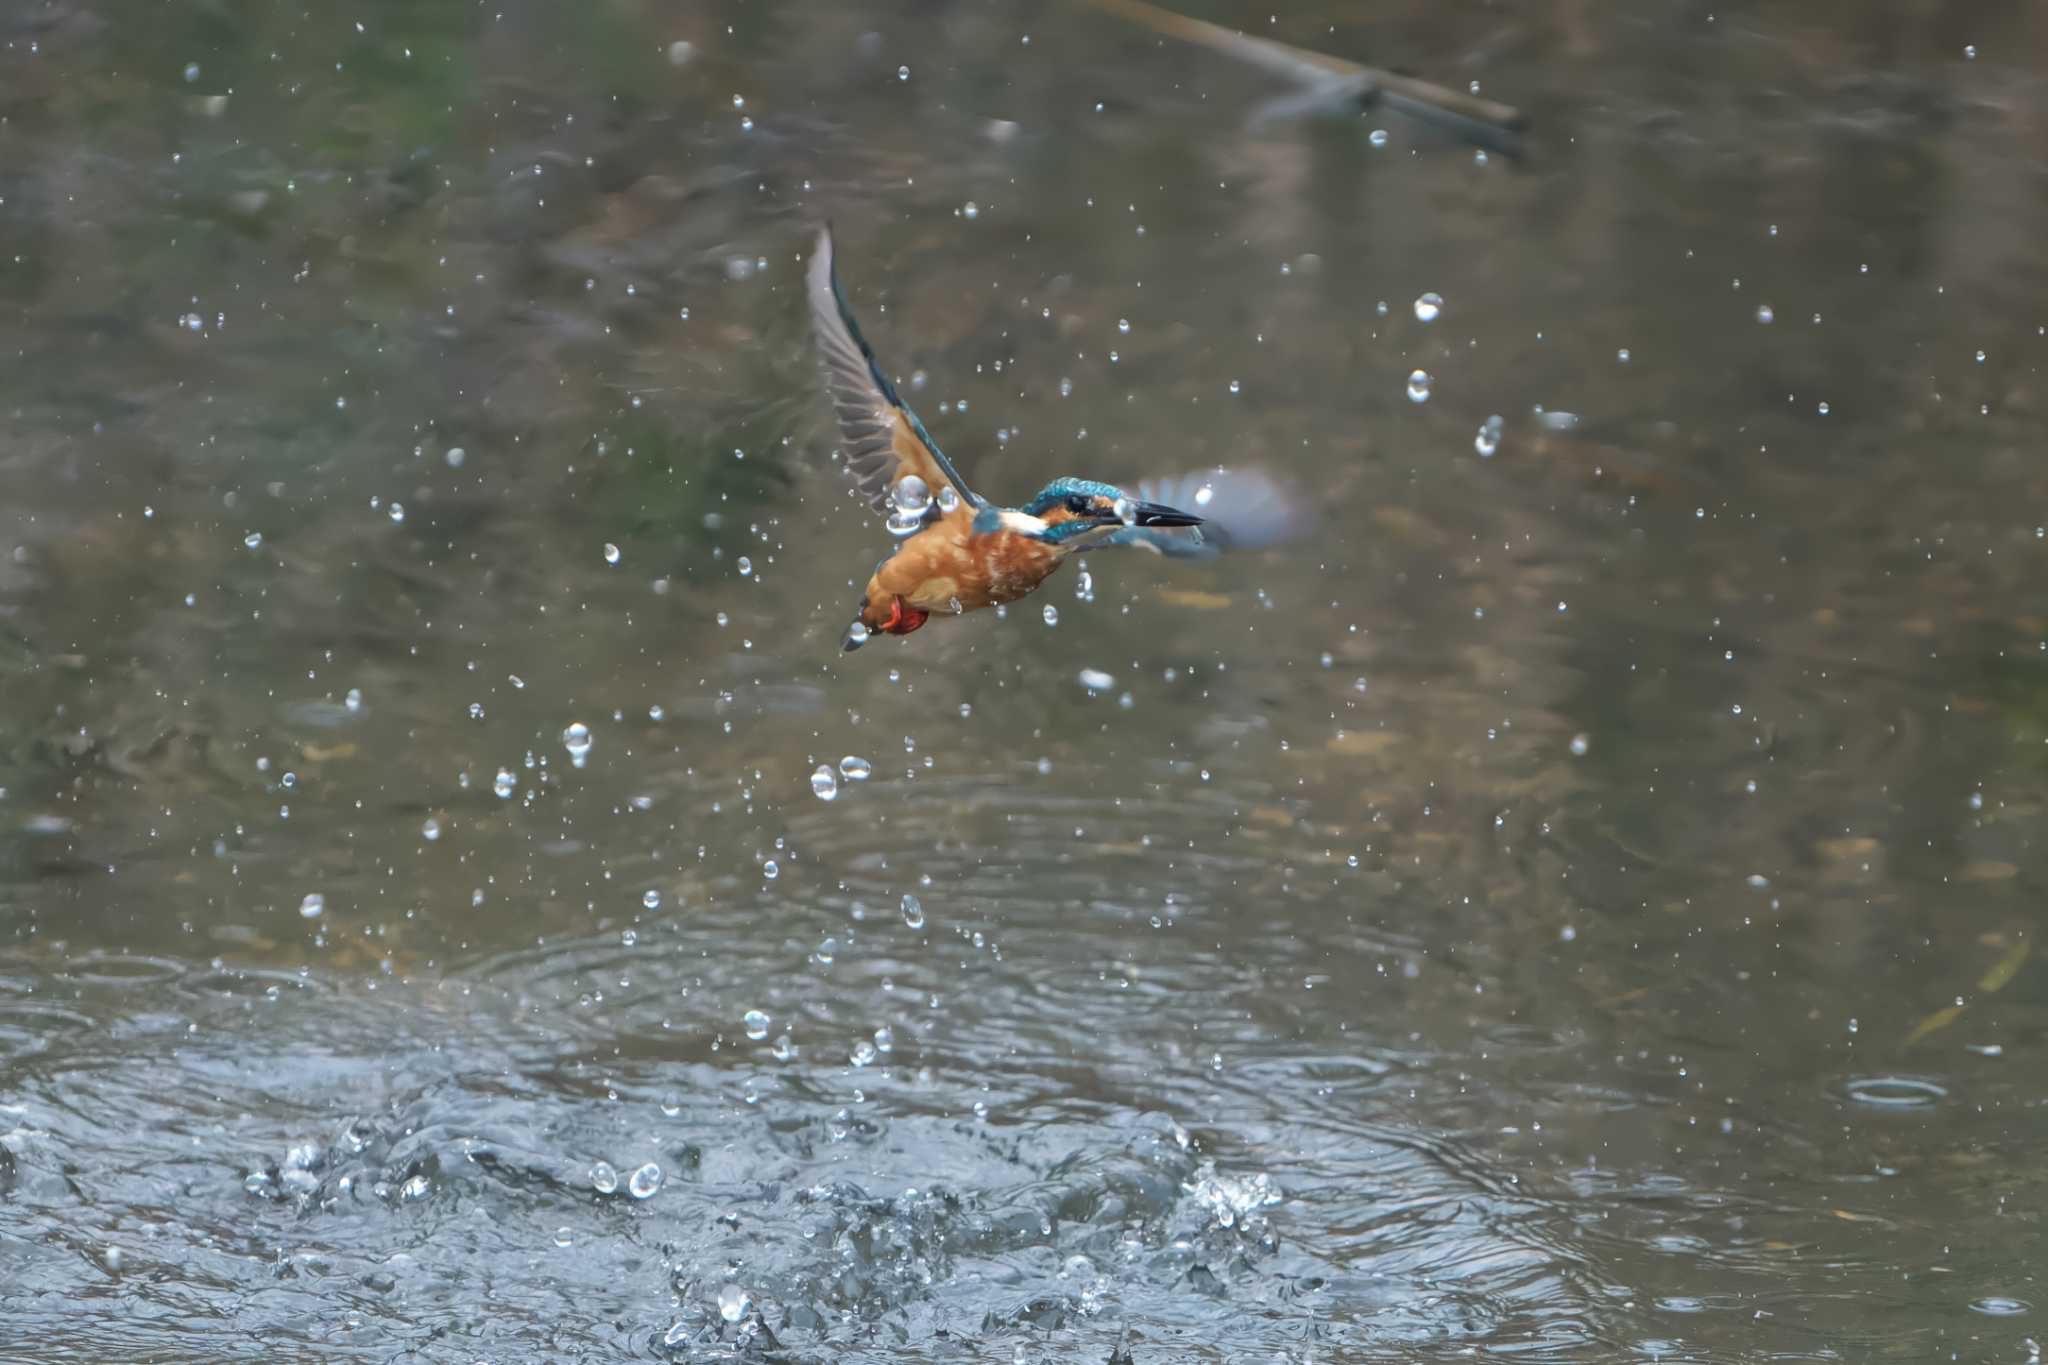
x=1077, y=504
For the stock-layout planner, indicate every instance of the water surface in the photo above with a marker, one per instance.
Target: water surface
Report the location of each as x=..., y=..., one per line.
x=1578, y=906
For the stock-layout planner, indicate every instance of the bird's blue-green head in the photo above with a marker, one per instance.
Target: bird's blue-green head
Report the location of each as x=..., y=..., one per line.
x=1074, y=513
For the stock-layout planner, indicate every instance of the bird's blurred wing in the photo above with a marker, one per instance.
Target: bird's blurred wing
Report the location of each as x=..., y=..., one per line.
x=1242, y=509
x=881, y=438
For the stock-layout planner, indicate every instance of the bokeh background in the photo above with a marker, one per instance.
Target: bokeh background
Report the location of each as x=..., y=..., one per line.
x=1579, y=905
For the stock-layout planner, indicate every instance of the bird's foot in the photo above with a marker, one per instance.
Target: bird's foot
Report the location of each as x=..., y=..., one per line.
x=903, y=618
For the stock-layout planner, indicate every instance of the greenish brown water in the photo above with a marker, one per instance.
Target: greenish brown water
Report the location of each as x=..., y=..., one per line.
x=1579, y=906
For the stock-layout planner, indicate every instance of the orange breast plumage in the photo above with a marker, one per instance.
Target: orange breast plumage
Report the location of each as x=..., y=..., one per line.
x=946, y=568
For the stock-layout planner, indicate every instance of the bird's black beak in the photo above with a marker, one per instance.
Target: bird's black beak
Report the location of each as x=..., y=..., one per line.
x=1153, y=514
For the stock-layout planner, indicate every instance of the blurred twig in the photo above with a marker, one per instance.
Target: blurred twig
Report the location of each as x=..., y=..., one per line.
x=1332, y=82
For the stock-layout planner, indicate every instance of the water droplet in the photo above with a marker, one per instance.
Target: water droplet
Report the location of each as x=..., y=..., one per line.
x=1580, y=743
x=1377, y=137
x=1766, y=314
x=1980, y=357
x=397, y=512
x=1823, y=409
x=913, y=911
x=970, y=210
x=431, y=830
x=1124, y=325
x=1894, y=1092
x=854, y=768
x=745, y=566
x=863, y=1053
x=825, y=783
x=504, y=784
x=455, y=456
x=1969, y=55
x=611, y=553
x=354, y=700
x=644, y=1181
x=254, y=540
x=1487, y=442
x=1051, y=614
x=604, y=1178
x=757, y=1024
x=192, y=70
x=1429, y=307
x=902, y=73
x=576, y=739
x=414, y=1189
x=770, y=870
x=1976, y=800
x=1998, y=1306
x=1418, y=386
x=1095, y=680
x=734, y=1303
x=313, y=906
x=949, y=501
x=565, y=1237
x=1236, y=387
x=650, y=899
x=910, y=494
x=1066, y=388
x=1622, y=355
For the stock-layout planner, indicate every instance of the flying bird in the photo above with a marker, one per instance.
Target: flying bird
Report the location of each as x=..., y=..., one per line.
x=958, y=552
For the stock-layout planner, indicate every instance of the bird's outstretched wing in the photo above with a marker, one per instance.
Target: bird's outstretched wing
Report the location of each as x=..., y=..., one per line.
x=881, y=438
x=1241, y=509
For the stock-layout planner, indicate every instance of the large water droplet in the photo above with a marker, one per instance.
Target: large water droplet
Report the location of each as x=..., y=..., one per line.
x=1418, y=386
x=854, y=768
x=504, y=784
x=313, y=906
x=970, y=210
x=757, y=1024
x=863, y=1053
x=910, y=494
x=825, y=783
x=902, y=523
x=1095, y=680
x=949, y=501
x=1487, y=442
x=1766, y=314
x=645, y=1181
x=1051, y=614
x=354, y=700
x=913, y=911
x=1429, y=307
x=576, y=739
x=734, y=1303
x=604, y=1178
x=611, y=553
x=1378, y=137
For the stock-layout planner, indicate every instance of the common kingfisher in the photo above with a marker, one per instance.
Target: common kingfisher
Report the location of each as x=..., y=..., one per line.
x=958, y=551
